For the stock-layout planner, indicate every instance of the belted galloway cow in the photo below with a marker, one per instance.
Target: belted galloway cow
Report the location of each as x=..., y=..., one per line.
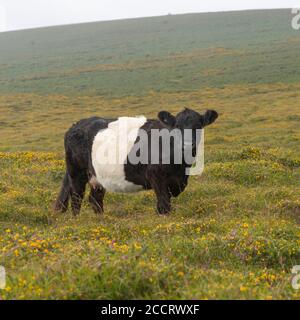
x=119, y=155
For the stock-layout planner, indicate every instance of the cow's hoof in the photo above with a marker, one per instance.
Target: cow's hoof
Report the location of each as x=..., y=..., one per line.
x=59, y=207
x=98, y=210
x=163, y=211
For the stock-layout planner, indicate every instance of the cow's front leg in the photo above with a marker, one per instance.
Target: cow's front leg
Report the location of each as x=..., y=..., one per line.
x=162, y=194
x=163, y=203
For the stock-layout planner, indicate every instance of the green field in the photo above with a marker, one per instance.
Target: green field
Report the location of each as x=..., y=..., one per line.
x=233, y=234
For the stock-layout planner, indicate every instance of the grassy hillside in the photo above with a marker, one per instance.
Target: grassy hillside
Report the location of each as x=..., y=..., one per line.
x=171, y=53
x=233, y=234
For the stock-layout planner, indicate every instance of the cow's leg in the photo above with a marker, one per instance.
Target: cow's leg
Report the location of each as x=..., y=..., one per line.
x=96, y=198
x=163, y=202
x=97, y=191
x=162, y=194
x=78, y=184
x=61, y=204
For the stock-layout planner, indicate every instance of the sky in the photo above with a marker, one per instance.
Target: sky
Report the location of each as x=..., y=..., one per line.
x=24, y=14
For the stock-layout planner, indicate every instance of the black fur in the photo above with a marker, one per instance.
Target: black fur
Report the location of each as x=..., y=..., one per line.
x=167, y=180
x=79, y=169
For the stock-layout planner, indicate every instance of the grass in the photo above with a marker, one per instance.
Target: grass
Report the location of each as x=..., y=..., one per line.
x=163, y=54
x=233, y=234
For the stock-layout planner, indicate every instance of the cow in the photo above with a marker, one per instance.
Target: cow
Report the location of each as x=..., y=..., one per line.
x=83, y=155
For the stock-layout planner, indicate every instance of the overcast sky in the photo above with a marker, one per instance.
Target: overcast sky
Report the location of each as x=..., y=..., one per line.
x=22, y=14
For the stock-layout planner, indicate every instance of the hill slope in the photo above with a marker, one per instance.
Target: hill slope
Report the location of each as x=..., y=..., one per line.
x=170, y=53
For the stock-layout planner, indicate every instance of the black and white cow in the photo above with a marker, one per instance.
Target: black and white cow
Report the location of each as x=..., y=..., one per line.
x=83, y=143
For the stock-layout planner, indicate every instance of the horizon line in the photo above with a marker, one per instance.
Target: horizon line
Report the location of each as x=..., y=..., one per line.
x=141, y=17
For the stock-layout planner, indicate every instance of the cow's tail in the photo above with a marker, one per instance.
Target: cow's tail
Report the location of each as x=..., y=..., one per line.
x=62, y=201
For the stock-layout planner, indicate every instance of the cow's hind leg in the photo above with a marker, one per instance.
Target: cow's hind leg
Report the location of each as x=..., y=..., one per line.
x=96, y=199
x=78, y=184
x=62, y=201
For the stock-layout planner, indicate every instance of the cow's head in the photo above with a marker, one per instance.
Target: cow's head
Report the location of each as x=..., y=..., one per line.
x=188, y=119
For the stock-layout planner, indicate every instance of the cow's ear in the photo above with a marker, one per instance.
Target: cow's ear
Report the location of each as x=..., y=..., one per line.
x=210, y=117
x=167, y=118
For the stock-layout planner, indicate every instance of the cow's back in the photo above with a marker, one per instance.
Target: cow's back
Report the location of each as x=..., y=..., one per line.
x=110, y=150
x=79, y=141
